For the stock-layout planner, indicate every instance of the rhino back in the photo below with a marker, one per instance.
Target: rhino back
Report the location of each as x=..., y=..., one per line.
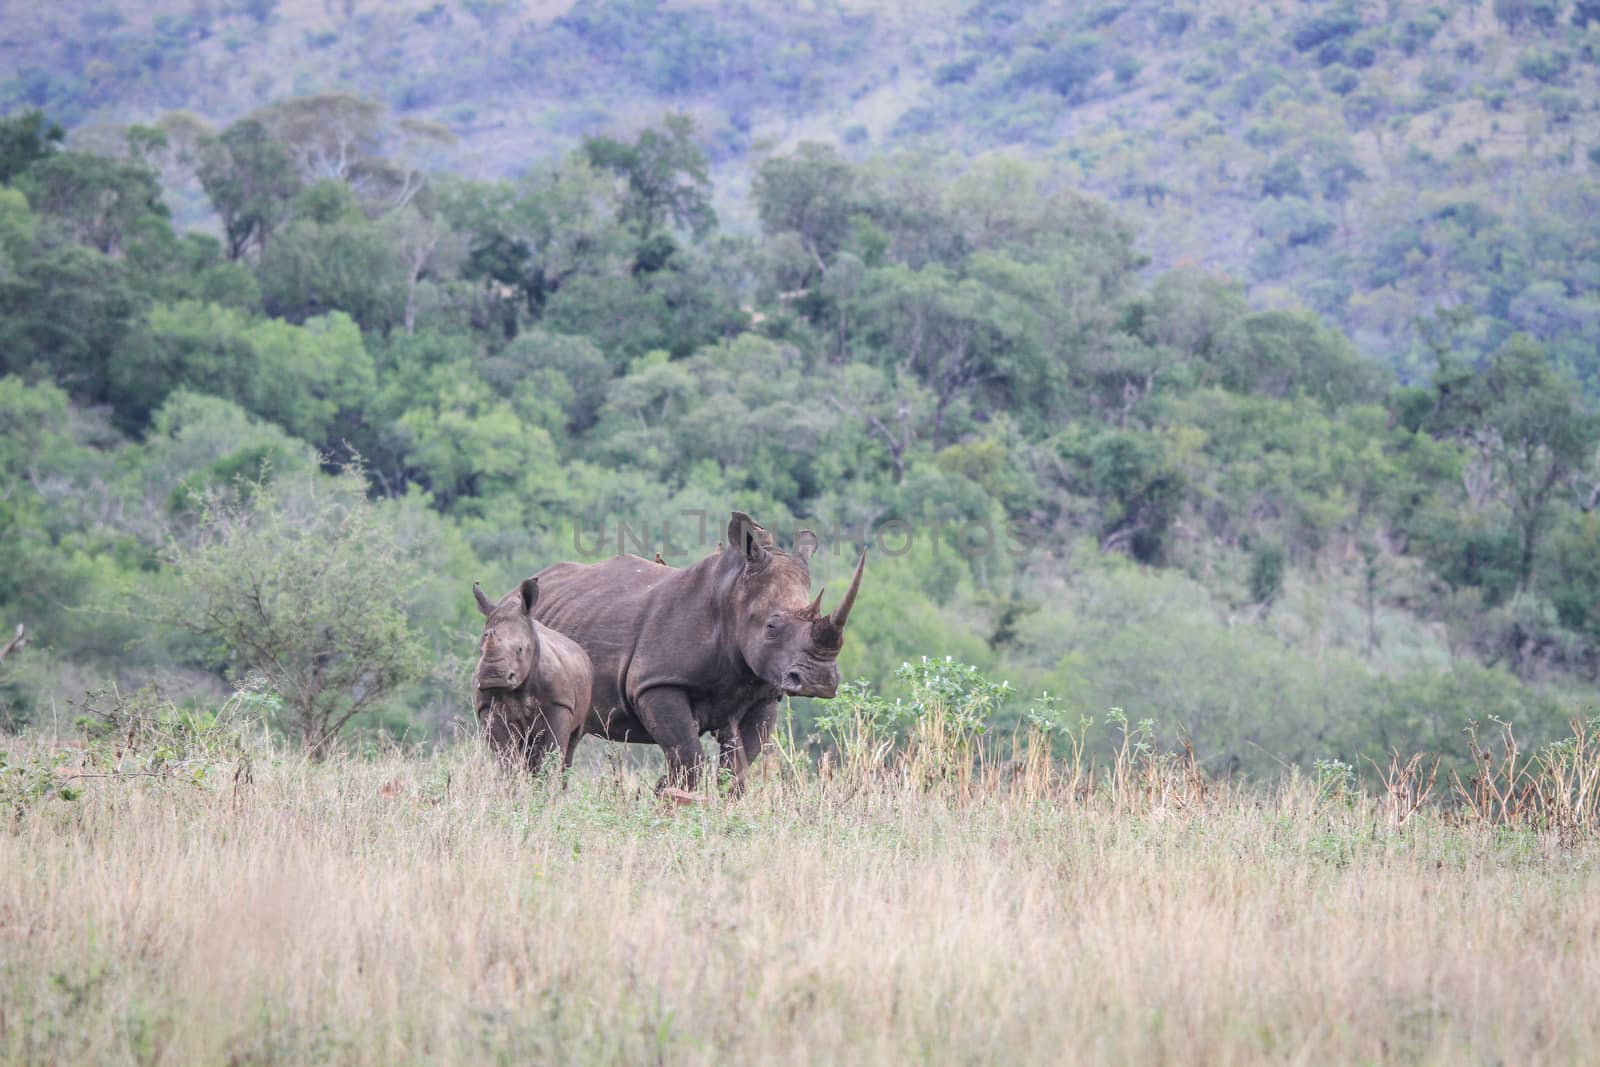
x=643, y=624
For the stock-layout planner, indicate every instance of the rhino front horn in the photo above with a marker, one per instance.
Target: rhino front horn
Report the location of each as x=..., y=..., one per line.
x=841, y=614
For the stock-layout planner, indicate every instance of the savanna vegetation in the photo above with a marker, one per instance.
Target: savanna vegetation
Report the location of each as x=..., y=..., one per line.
x=1371, y=161
x=288, y=443
x=1212, y=386
x=175, y=887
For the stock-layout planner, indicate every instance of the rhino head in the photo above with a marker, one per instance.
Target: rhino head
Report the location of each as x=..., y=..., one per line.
x=782, y=632
x=509, y=649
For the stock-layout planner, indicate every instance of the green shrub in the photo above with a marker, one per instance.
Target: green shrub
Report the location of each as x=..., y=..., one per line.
x=1543, y=64
x=1340, y=80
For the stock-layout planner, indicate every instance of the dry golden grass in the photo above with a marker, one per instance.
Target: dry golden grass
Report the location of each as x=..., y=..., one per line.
x=412, y=909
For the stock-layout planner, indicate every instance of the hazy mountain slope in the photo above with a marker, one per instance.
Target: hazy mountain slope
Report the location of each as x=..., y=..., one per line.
x=1375, y=162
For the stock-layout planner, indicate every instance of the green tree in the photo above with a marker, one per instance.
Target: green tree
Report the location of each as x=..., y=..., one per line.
x=299, y=377
x=1530, y=425
x=325, y=135
x=1288, y=352
x=1137, y=485
x=97, y=201
x=246, y=174
x=26, y=139
x=664, y=176
x=526, y=242
x=66, y=312
x=39, y=580
x=963, y=338
x=812, y=194
x=348, y=264
x=303, y=580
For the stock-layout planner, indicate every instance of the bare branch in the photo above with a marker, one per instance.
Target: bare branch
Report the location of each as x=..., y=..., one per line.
x=16, y=644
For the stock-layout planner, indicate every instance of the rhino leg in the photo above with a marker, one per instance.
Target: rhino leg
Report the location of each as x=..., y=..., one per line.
x=756, y=729
x=570, y=749
x=504, y=737
x=742, y=741
x=666, y=713
x=731, y=756
x=552, y=735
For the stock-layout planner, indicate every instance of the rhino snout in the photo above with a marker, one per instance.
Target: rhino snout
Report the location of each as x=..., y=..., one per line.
x=497, y=677
x=823, y=684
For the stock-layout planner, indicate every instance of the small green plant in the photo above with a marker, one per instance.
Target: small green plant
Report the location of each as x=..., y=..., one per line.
x=1335, y=781
x=1045, y=720
x=862, y=726
x=950, y=706
x=1571, y=777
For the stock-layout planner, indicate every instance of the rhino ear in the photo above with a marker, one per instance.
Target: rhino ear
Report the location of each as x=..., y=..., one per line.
x=484, y=605
x=530, y=594
x=805, y=543
x=749, y=537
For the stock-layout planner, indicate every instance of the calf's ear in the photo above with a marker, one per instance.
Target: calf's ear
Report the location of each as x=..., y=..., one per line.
x=484, y=604
x=530, y=594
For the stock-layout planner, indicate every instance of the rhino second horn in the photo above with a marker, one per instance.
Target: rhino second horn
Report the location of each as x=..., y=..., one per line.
x=816, y=605
x=841, y=614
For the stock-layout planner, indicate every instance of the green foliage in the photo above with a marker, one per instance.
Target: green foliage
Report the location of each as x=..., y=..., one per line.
x=199, y=443
x=1531, y=430
x=303, y=580
x=665, y=175
x=96, y=201
x=1069, y=470
x=1267, y=563
x=26, y=139
x=299, y=377
x=246, y=174
x=65, y=313
x=312, y=268
x=1139, y=488
x=1542, y=64
x=1572, y=574
x=1065, y=68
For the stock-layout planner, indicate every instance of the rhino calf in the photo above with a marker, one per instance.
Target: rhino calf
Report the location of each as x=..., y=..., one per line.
x=532, y=685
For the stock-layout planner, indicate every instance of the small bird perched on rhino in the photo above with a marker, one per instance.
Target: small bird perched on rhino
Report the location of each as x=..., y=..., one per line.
x=532, y=685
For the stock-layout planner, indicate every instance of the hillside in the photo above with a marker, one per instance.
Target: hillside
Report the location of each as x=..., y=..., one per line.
x=1376, y=163
x=316, y=335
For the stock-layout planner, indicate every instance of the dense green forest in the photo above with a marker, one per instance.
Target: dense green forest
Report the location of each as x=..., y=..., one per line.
x=1375, y=162
x=328, y=357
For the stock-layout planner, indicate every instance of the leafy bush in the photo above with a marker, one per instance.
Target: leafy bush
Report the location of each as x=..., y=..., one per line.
x=1065, y=69
x=1340, y=80
x=303, y=580
x=1314, y=31
x=1543, y=64
x=1559, y=104
x=956, y=72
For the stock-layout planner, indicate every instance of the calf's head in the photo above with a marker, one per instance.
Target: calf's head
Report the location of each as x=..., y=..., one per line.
x=782, y=632
x=509, y=649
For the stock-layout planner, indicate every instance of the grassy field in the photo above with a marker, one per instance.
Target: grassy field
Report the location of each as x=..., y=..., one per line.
x=194, y=896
